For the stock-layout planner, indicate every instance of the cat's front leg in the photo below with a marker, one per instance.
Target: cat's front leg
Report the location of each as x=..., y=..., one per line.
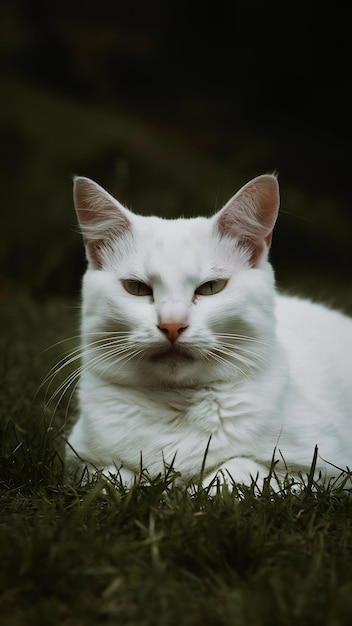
x=82, y=471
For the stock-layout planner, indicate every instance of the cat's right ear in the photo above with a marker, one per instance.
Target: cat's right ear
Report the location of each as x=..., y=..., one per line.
x=100, y=216
x=250, y=216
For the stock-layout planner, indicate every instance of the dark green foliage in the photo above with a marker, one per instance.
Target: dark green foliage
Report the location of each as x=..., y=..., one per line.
x=158, y=554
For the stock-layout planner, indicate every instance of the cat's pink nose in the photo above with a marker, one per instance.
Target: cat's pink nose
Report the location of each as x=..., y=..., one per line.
x=172, y=330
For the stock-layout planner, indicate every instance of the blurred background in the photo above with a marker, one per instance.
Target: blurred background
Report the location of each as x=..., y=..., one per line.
x=172, y=106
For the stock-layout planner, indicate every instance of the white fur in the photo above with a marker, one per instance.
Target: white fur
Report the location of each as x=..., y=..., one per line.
x=282, y=380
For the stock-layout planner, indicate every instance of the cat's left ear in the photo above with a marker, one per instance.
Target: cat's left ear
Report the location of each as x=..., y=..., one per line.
x=250, y=216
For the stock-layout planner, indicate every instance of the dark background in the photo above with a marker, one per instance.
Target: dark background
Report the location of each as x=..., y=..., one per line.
x=173, y=106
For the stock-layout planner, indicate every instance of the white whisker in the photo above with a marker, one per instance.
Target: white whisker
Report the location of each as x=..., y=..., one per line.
x=60, y=392
x=112, y=349
x=236, y=351
x=233, y=339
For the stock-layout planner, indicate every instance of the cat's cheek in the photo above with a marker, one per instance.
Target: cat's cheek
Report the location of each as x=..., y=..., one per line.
x=138, y=314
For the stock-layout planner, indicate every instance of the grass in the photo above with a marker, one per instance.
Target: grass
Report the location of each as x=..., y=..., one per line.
x=159, y=554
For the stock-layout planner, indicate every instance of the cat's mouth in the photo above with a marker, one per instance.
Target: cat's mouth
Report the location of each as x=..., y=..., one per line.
x=173, y=354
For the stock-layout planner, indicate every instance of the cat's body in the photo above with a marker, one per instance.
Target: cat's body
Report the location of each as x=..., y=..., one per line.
x=185, y=337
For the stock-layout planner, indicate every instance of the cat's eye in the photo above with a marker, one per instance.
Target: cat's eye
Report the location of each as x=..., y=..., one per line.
x=137, y=288
x=211, y=287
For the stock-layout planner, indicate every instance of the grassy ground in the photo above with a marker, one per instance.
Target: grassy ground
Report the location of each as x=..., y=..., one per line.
x=157, y=555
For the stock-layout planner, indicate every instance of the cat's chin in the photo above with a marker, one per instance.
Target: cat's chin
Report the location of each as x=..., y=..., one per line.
x=173, y=366
x=173, y=356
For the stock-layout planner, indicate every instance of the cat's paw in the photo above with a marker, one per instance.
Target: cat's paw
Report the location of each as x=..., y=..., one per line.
x=119, y=475
x=239, y=470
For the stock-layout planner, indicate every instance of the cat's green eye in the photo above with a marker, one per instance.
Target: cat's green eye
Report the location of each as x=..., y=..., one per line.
x=211, y=287
x=137, y=288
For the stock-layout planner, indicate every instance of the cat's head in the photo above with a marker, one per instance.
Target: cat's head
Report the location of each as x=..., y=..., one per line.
x=177, y=302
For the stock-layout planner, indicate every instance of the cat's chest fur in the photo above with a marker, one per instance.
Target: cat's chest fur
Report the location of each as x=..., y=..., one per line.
x=158, y=425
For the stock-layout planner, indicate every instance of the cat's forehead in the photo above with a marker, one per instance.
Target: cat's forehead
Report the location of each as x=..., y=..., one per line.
x=180, y=228
x=173, y=253
x=158, y=239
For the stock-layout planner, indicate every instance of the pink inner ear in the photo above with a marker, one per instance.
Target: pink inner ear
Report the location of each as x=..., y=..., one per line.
x=268, y=239
x=94, y=253
x=250, y=216
x=254, y=249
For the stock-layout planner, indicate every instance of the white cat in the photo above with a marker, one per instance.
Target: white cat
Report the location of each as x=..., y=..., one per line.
x=185, y=337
